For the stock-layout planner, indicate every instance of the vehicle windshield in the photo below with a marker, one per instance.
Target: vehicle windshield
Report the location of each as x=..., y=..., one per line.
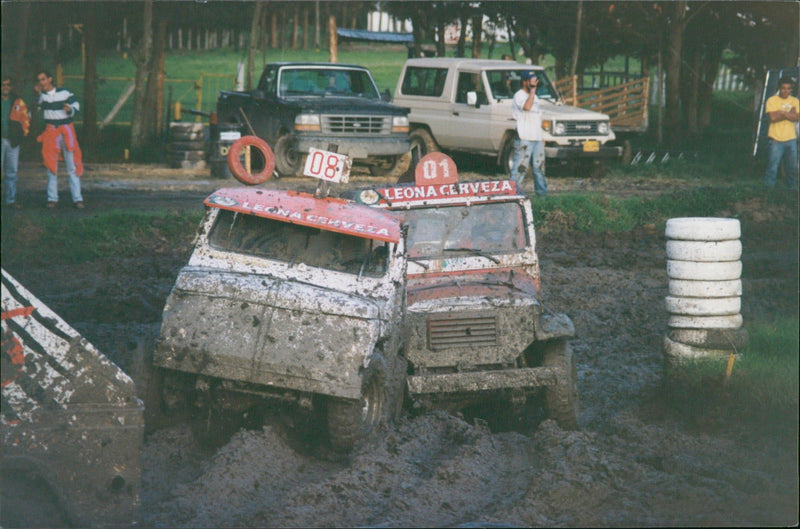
x=494, y=228
x=319, y=82
x=295, y=244
x=505, y=83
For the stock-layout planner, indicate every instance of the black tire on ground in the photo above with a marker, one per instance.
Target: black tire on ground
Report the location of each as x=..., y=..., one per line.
x=422, y=143
x=394, y=167
x=350, y=420
x=288, y=161
x=561, y=400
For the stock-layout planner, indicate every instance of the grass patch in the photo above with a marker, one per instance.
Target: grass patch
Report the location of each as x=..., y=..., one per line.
x=37, y=240
x=762, y=388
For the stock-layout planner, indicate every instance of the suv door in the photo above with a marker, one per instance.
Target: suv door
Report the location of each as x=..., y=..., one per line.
x=470, y=124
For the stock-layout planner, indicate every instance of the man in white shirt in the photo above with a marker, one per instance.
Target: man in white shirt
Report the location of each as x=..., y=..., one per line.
x=529, y=147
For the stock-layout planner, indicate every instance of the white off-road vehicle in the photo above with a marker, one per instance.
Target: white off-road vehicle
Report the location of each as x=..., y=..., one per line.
x=287, y=297
x=464, y=105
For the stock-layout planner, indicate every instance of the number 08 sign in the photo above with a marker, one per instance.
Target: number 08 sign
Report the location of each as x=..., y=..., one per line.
x=328, y=166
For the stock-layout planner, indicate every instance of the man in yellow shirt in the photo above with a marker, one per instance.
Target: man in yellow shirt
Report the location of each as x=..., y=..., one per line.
x=783, y=110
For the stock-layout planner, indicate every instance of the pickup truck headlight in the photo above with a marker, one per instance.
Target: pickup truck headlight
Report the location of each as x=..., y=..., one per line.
x=559, y=129
x=307, y=122
x=400, y=124
x=602, y=127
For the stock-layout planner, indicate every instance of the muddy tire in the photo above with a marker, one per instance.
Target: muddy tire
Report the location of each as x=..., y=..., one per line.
x=351, y=420
x=679, y=321
x=395, y=168
x=704, y=251
x=704, y=306
x=422, y=143
x=705, y=289
x=703, y=229
x=288, y=160
x=698, y=271
x=561, y=400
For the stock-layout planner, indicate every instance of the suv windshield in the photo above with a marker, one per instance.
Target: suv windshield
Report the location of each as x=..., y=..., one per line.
x=294, y=244
x=505, y=83
x=318, y=82
x=434, y=233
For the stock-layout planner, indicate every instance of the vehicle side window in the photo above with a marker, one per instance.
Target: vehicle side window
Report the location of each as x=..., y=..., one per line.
x=267, y=81
x=424, y=81
x=470, y=82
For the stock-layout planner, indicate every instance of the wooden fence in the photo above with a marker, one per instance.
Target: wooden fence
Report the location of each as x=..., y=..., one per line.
x=626, y=103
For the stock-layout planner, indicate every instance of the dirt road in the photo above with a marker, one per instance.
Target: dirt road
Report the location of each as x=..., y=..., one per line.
x=633, y=462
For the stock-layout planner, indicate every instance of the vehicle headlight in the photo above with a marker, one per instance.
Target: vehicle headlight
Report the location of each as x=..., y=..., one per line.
x=400, y=124
x=602, y=127
x=308, y=122
x=559, y=129
x=547, y=125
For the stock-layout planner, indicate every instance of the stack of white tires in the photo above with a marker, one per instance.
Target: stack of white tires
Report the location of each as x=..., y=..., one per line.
x=186, y=148
x=705, y=289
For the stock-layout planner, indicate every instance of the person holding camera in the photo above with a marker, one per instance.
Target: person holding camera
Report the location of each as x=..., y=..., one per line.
x=529, y=146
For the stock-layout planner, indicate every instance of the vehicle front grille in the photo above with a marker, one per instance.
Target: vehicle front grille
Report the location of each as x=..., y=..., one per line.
x=356, y=124
x=580, y=128
x=462, y=330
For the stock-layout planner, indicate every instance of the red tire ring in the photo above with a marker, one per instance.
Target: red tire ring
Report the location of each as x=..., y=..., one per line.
x=235, y=165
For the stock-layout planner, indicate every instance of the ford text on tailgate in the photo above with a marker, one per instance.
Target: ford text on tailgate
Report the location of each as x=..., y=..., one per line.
x=288, y=297
x=474, y=331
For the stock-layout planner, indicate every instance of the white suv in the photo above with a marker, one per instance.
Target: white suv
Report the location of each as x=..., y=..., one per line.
x=465, y=105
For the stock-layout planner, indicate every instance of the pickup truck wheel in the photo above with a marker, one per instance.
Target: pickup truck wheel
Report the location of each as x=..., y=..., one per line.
x=561, y=400
x=422, y=143
x=394, y=168
x=350, y=420
x=288, y=160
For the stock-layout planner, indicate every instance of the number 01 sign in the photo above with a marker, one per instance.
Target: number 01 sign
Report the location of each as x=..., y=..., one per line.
x=328, y=166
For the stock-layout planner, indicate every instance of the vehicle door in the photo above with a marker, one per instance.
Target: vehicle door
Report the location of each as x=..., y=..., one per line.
x=470, y=122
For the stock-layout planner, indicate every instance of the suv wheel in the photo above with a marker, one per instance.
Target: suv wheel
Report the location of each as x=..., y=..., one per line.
x=288, y=160
x=422, y=143
x=350, y=420
x=394, y=166
x=561, y=400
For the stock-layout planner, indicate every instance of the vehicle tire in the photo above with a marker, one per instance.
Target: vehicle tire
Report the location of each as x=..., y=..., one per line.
x=677, y=321
x=678, y=352
x=711, y=338
x=703, y=229
x=238, y=170
x=506, y=158
x=422, y=143
x=704, y=251
x=288, y=161
x=705, y=289
x=350, y=420
x=717, y=271
x=395, y=168
x=180, y=131
x=561, y=400
x=704, y=306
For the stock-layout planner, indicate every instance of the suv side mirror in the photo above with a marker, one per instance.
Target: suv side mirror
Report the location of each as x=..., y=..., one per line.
x=472, y=99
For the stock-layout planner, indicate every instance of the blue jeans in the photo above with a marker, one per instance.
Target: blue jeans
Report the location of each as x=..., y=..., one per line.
x=10, y=161
x=786, y=151
x=529, y=153
x=74, y=181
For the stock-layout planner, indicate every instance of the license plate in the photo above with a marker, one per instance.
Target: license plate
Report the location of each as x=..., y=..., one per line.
x=591, y=146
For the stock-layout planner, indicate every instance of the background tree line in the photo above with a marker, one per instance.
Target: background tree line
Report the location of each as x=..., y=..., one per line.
x=684, y=39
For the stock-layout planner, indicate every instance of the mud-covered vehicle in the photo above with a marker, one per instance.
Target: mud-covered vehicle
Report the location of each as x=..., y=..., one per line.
x=475, y=333
x=286, y=297
x=299, y=106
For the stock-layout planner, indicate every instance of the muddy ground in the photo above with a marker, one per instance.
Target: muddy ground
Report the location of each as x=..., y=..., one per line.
x=635, y=460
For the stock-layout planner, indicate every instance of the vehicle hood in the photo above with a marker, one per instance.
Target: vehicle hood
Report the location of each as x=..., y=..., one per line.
x=502, y=286
x=567, y=112
x=345, y=105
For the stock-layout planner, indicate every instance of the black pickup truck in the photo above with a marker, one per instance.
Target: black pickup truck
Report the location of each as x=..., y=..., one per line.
x=297, y=106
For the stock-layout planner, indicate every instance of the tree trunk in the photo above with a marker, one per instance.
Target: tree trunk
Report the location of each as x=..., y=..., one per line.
x=441, y=46
x=305, y=27
x=706, y=91
x=333, y=38
x=251, y=50
x=155, y=88
x=477, y=34
x=673, y=83
x=576, y=47
x=143, y=59
x=90, y=78
x=18, y=67
x=273, y=30
x=317, y=41
x=295, y=26
x=417, y=23
x=462, y=38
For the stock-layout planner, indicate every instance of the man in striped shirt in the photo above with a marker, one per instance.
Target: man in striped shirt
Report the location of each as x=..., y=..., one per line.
x=59, y=107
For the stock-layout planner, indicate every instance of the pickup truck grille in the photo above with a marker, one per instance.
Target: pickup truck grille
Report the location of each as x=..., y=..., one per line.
x=356, y=124
x=462, y=330
x=580, y=128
